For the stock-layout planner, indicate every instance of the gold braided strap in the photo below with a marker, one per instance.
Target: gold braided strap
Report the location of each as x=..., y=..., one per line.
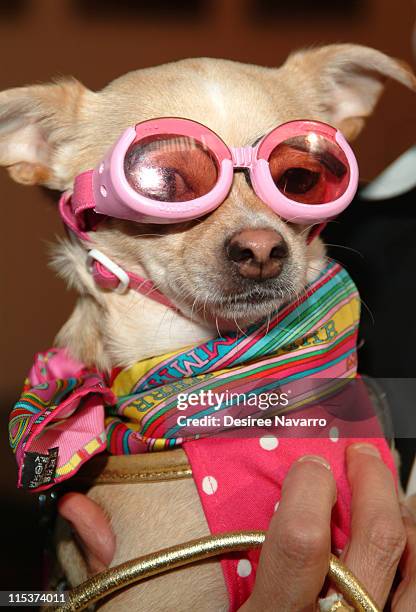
x=133, y=469
x=134, y=571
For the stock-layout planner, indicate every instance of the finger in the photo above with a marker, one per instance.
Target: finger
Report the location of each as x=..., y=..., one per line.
x=295, y=556
x=92, y=528
x=377, y=534
x=404, y=599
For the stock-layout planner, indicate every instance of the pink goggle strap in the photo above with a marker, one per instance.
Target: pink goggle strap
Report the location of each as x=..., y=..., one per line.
x=105, y=279
x=72, y=215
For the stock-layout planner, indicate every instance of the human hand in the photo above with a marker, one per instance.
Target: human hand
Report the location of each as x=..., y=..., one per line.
x=295, y=556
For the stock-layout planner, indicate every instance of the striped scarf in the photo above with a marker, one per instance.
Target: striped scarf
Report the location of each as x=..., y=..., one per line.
x=77, y=412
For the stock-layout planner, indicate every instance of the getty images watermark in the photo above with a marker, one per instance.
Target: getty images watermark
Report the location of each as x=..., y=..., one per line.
x=227, y=400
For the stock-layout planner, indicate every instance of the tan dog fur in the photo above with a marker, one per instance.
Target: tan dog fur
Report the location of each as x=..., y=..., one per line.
x=50, y=133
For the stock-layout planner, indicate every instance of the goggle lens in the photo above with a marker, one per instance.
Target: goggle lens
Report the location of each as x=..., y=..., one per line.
x=170, y=168
x=310, y=169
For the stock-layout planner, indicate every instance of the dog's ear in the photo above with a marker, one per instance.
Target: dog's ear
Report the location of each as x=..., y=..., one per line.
x=37, y=124
x=346, y=81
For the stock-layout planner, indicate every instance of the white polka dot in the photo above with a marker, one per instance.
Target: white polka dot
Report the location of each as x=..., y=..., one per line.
x=209, y=485
x=244, y=568
x=269, y=442
x=334, y=434
x=103, y=191
x=101, y=168
x=339, y=551
x=276, y=505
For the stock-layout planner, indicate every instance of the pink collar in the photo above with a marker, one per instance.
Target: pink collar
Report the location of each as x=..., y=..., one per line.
x=109, y=275
x=105, y=272
x=78, y=215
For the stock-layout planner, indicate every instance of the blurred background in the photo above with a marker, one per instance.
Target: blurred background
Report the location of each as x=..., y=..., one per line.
x=96, y=41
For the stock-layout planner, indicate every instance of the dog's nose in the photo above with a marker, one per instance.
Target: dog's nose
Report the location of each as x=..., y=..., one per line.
x=258, y=253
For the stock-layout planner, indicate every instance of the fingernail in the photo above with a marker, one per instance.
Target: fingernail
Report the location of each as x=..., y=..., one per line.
x=407, y=513
x=315, y=459
x=366, y=449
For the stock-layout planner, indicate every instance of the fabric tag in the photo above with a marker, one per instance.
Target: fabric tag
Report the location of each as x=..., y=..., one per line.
x=38, y=469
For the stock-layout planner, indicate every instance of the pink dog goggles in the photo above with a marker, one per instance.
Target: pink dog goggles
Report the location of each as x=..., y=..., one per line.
x=170, y=170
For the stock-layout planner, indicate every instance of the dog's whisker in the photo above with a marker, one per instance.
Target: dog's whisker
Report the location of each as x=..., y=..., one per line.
x=239, y=328
x=268, y=324
x=192, y=308
x=343, y=246
x=217, y=326
x=162, y=321
x=370, y=312
x=308, y=228
x=129, y=304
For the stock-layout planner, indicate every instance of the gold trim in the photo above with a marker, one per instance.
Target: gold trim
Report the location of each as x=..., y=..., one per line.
x=123, y=469
x=340, y=606
x=134, y=571
x=115, y=477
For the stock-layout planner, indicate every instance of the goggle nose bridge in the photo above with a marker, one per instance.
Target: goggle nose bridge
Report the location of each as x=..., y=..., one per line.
x=243, y=157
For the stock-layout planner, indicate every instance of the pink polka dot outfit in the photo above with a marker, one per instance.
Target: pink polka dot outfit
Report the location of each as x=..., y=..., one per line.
x=239, y=483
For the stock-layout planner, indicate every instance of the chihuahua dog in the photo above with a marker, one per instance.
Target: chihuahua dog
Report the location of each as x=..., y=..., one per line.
x=222, y=272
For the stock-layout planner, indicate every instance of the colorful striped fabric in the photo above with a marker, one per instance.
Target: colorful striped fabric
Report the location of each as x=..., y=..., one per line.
x=66, y=406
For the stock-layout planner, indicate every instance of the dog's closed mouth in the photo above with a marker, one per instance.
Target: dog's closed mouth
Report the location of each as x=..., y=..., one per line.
x=253, y=297
x=241, y=302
